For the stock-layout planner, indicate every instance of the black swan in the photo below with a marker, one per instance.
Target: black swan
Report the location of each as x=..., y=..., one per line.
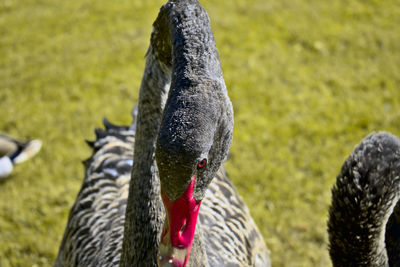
x=364, y=221
x=178, y=143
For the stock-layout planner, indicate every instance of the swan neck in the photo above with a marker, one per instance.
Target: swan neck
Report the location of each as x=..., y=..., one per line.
x=182, y=51
x=363, y=199
x=185, y=42
x=144, y=215
x=358, y=237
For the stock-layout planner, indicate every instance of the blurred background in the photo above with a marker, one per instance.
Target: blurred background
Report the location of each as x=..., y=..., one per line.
x=308, y=80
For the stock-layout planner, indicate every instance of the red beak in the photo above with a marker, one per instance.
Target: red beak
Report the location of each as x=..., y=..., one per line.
x=179, y=228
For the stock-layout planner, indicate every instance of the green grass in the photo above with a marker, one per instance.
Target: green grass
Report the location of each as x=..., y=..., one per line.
x=308, y=80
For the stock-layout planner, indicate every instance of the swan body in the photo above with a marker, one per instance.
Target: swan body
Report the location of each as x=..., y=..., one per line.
x=364, y=221
x=96, y=220
x=148, y=184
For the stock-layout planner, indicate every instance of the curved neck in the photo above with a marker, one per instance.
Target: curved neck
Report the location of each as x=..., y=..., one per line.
x=366, y=192
x=180, y=44
x=194, y=52
x=144, y=214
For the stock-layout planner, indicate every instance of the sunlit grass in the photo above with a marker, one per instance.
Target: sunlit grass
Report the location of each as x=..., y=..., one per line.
x=308, y=80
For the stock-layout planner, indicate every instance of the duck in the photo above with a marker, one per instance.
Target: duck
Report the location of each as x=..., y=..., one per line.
x=156, y=193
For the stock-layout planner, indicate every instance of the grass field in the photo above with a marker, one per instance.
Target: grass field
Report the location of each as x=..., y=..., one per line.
x=308, y=80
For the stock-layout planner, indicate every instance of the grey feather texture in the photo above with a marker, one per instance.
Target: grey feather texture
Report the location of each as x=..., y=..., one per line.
x=94, y=232
x=184, y=115
x=363, y=199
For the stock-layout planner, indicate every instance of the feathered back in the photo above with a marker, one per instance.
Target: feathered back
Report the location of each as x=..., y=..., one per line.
x=93, y=235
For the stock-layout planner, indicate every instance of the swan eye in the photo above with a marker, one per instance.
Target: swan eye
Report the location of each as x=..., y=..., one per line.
x=202, y=164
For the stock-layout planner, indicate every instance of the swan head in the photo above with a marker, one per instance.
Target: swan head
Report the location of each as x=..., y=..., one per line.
x=194, y=139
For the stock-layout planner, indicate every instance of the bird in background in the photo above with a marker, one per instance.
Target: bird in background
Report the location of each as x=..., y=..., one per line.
x=14, y=151
x=364, y=216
